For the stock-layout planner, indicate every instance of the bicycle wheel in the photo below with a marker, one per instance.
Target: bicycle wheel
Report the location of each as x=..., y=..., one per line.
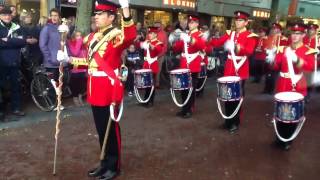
x=43, y=93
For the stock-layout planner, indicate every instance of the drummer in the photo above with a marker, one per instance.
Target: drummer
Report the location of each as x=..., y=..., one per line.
x=195, y=44
x=301, y=58
x=242, y=43
x=152, y=48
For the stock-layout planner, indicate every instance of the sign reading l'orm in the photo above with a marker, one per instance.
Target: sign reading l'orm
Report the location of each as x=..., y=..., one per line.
x=180, y=3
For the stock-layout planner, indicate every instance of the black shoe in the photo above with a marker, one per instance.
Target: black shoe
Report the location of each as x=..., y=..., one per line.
x=18, y=113
x=96, y=172
x=187, y=115
x=233, y=129
x=109, y=175
x=180, y=114
x=286, y=146
x=149, y=105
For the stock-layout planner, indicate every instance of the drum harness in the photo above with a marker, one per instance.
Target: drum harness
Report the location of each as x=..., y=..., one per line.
x=189, y=58
x=136, y=91
x=203, y=54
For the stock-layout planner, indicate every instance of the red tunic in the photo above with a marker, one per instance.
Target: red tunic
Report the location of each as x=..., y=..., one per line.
x=306, y=57
x=260, y=52
x=247, y=42
x=154, y=53
x=104, y=86
x=196, y=45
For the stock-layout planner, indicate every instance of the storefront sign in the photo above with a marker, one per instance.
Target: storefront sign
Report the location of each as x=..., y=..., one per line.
x=181, y=3
x=261, y=14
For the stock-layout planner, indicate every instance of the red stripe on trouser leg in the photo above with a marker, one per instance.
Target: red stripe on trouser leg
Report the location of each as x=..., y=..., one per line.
x=118, y=135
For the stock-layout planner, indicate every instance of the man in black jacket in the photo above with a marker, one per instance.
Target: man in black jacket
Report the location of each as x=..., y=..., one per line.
x=11, y=42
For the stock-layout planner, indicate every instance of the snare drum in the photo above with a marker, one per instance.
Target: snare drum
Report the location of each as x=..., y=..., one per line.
x=229, y=88
x=143, y=78
x=289, y=107
x=203, y=72
x=180, y=79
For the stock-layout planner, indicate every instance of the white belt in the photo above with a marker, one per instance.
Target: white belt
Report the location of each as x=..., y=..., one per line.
x=150, y=59
x=238, y=58
x=191, y=57
x=287, y=75
x=101, y=73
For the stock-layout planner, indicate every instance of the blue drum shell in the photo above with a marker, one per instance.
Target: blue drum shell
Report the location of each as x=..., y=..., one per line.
x=289, y=112
x=229, y=91
x=143, y=80
x=180, y=81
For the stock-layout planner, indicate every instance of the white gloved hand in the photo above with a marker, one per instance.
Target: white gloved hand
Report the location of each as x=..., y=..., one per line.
x=229, y=46
x=271, y=54
x=145, y=45
x=60, y=56
x=124, y=3
x=185, y=37
x=291, y=54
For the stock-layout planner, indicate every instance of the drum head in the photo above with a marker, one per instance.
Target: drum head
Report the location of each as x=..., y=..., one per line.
x=143, y=70
x=179, y=71
x=288, y=96
x=229, y=79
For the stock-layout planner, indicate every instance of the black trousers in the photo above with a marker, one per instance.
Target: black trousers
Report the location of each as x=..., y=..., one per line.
x=286, y=130
x=258, y=69
x=230, y=107
x=200, y=82
x=148, y=90
x=78, y=83
x=270, y=82
x=184, y=94
x=113, y=148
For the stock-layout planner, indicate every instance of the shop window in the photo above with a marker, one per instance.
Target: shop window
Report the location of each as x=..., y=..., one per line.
x=157, y=16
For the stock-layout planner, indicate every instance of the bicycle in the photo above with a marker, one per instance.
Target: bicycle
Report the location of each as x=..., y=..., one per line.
x=42, y=89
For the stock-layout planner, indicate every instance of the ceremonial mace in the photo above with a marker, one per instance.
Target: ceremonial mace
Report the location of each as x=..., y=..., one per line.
x=63, y=30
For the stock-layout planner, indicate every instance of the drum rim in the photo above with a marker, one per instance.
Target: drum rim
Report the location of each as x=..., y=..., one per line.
x=237, y=99
x=229, y=81
x=142, y=70
x=288, y=121
x=180, y=71
x=281, y=100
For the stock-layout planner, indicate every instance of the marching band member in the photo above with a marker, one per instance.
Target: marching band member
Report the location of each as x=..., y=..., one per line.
x=312, y=41
x=195, y=44
x=278, y=40
x=104, y=87
x=292, y=61
x=260, y=56
x=241, y=44
x=152, y=48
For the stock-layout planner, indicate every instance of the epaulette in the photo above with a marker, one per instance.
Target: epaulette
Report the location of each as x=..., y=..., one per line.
x=252, y=35
x=311, y=51
x=86, y=39
x=228, y=32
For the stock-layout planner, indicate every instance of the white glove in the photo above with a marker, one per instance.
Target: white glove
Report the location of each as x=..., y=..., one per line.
x=185, y=37
x=124, y=3
x=62, y=56
x=145, y=45
x=229, y=46
x=291, y=54
x=271, y=54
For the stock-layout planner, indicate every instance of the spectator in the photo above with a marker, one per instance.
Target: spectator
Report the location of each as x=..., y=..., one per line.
x=49, y=43
x=1, y=6
x=78, y=73
x=11, y=42
x=131, y=58
x=14, y=14
x=162, y=37
x=42, y=22
x=31, y=54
